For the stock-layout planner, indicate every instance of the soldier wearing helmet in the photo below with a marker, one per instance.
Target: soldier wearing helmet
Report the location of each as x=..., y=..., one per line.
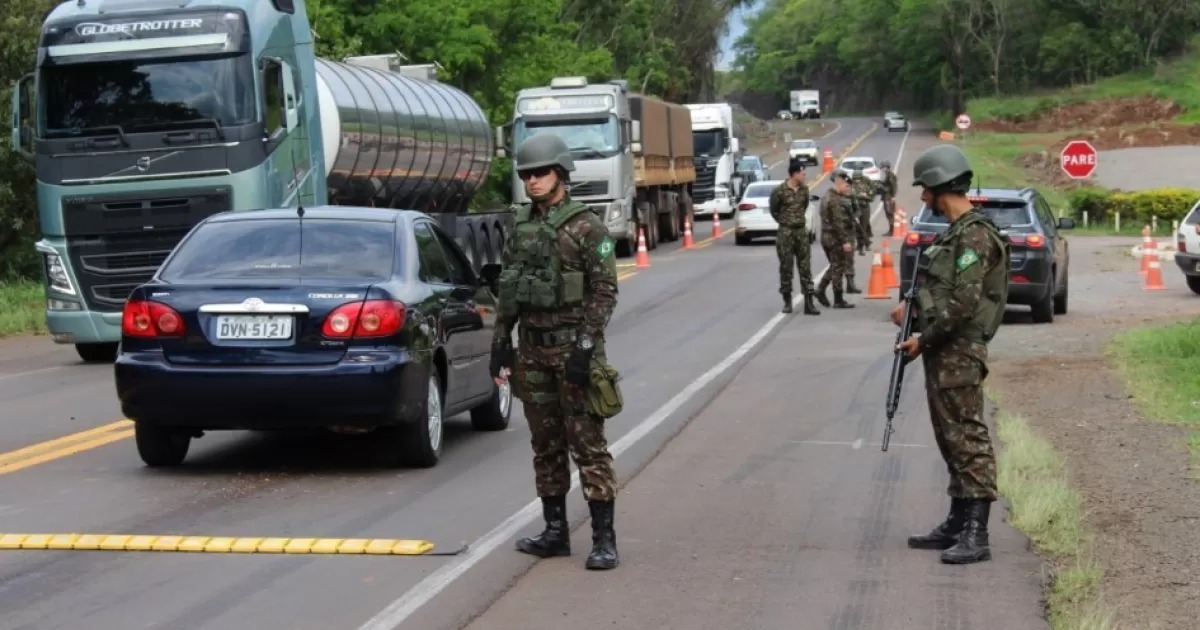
x=559, y=282
x=962, y=288
x=887, y=190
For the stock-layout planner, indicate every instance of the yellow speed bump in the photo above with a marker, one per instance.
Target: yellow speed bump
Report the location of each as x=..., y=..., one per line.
x=218, y=544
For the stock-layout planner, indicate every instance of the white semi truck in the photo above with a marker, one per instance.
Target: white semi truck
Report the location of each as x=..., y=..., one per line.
x=716, y=152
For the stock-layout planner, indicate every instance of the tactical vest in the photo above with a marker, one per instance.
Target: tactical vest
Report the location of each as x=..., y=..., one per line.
x=938, y=268
x=533, y=278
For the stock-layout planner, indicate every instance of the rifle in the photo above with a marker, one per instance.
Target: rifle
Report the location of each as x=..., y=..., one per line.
x=900, y=360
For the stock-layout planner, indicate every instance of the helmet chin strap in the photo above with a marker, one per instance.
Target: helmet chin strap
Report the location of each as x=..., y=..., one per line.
x=558, y=185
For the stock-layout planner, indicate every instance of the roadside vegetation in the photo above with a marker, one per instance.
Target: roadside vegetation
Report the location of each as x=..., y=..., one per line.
x=22, y=308
x=1162, y=367
x=1035, y=482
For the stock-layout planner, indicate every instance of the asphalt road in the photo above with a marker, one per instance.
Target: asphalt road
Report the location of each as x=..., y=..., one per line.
x=688, y=314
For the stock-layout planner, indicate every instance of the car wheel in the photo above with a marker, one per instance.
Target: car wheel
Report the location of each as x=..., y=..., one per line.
x=1043, y=310
x=741, y=239
x=97, y=352
x=494, y=414
x=421, y=440
x=1193, y=283
x=161, y=446
x=1060, y=301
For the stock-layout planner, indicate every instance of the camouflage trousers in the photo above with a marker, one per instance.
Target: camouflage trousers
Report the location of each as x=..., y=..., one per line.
x=838, y=267
x=792, y=247
x=862, y=215
x=889, y=209
x=954, y=387
x=558, y=427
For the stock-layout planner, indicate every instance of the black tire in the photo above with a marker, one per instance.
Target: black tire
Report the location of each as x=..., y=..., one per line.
x=495, y=413
x=1060, y=300
x=97, y=352
x=741, y=239
x=1193, y=283
x=161, y=446
x=420, y=441
x=1043, y=310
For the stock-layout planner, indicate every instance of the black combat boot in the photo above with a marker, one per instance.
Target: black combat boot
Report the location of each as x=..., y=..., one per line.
x=821, y=287
x=555, y=540
x=809, y=307
x=850, y=288
x=945, y=534
x=972, y=545
x=839, y=301
x=604, y=539
x=787, y=302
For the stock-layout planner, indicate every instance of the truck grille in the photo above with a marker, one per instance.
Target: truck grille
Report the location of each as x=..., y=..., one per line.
x=585, y=189
x=116, y=242
x=706, y=181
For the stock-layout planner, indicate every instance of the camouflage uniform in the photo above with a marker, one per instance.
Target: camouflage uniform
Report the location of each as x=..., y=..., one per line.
x=837, y=228
x=863, y=192
x=560, y=284
x=962, y=287
x=788, y=207
x=888, y=192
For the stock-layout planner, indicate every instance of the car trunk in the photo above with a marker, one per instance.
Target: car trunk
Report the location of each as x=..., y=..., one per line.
x=267, y=323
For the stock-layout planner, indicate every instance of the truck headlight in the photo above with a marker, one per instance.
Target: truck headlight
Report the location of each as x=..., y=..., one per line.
x=614, y=211
x=56, y=274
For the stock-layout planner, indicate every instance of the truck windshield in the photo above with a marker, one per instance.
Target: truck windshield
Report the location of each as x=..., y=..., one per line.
x=586, y=137
x=141, y=95
x=709, y=143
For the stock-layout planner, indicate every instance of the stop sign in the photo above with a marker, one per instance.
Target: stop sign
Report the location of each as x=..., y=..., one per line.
x=1079, y=159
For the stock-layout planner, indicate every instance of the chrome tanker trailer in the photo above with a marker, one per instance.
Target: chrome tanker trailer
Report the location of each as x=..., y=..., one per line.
x=143, y=117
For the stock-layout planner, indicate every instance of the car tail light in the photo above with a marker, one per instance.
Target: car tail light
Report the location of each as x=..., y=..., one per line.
x=1181, y=245
x=912, y=239
x=1033, y=241
x=371, y=318
x=746, y=206
x=1019, y=279
x=143, y=318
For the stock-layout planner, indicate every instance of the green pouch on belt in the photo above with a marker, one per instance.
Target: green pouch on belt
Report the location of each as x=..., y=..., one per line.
x=604, y=394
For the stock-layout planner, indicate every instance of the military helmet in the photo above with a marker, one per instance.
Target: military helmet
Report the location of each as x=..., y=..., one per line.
x=543, y=149
x=940, y=166
x=885, y=164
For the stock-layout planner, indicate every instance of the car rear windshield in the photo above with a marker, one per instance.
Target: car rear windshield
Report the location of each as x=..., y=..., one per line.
x=748, y=164
x=1193, y=215
x=285, y=248
x=857, y=165
x=1005, y=214
x=760, y=190
x=803, y=144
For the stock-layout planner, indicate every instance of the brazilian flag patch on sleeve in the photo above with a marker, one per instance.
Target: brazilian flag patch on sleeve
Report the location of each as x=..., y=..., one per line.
x=605, y=248
x=967, y=259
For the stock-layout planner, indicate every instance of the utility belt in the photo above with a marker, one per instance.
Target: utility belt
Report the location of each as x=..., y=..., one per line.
x=548, y=337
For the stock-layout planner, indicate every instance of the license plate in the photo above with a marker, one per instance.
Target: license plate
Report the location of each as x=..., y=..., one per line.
x=246, y=327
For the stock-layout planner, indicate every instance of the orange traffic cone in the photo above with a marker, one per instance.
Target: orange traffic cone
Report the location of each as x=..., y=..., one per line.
x=901, y=223
x=1154, y=279
x=876, y=286
x=827, y=161
x=890, y=277
x=716, y=224
x=1149, y=250
x=643, y=256
x=688, y=243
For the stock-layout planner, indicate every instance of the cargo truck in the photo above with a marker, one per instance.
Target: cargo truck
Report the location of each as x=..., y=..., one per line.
x=633, y=154
x=806, y=103
x=717, y=150
x=145, y=116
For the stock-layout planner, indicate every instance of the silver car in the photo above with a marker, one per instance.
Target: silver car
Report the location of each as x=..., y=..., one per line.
x=896, y=121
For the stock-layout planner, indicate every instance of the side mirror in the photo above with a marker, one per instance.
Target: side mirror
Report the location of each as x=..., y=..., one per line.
x=22, y=114
x=501, y=151
x=734, y=146
x=490, y=274
x=291, y=109
x=1066, y=223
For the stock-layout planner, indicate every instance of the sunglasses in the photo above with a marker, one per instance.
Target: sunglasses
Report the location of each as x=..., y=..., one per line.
x=535, y=172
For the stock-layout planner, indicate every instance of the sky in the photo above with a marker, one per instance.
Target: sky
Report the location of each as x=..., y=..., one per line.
x=736, y=28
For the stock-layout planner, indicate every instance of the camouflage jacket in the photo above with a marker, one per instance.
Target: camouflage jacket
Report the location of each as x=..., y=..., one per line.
x=889, y=184
x=788, y=206
x=837, y=226
x=584, y=246
x=861, y=187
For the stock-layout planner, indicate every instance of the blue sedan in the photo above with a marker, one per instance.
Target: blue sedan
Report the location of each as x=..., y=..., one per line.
x=343, y=318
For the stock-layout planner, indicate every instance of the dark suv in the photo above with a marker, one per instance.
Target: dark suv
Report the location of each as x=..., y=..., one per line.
x=1040, y=259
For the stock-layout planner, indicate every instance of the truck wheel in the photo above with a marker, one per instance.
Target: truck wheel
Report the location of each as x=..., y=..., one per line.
x=97, y=352
x=1193, y=283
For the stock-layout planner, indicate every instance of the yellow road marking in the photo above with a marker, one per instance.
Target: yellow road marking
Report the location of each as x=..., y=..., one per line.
x=64, y=446
x=219, y=544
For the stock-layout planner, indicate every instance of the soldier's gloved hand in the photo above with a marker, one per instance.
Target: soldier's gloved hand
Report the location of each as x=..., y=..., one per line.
x=502, y=356
x=578, y=366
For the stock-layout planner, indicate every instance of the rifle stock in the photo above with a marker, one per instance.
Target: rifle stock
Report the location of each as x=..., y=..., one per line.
x=900, y=359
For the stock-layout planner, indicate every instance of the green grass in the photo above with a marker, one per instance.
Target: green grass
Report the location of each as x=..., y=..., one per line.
x=22, y=308
x=1162, y=367
x=1034, y=481
x=1173, y=80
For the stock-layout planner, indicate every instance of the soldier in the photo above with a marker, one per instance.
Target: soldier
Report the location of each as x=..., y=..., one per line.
x=961, y=292
x=863, y=193
x=559, y=281
x=788, y=204
x=887, y=190
x=851, y=208
x=837, y=238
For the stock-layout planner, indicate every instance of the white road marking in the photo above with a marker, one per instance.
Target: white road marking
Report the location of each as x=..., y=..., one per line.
x=856, y=444
x=404, y=606
x=5, y=377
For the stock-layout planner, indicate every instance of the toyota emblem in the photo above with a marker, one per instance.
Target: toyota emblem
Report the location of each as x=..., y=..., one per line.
x=252, y=304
